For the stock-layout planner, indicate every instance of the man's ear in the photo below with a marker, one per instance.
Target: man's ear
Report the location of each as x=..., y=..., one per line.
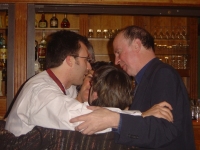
x=69, y=60
x=137, y=45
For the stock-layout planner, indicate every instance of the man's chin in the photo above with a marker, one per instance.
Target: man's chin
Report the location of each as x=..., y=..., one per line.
x=125, y=69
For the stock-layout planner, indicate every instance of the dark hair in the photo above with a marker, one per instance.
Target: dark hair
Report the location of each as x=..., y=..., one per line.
x=95, y=66
x=135, y=32
x=91, y=52
x=113, y=87
x=61, y=44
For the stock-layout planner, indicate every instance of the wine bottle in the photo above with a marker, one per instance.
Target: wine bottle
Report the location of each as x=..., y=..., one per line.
x=65, y=22
x=54, y=21
x=43, y=23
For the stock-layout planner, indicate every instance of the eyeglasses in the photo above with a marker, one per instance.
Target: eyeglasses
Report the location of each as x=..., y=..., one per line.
x=87, y=58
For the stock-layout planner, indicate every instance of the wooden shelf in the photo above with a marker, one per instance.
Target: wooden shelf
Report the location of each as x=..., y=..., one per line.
x=56, y=29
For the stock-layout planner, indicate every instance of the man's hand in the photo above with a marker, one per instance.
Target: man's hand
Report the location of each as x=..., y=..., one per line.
x=97, y=120
x=161, y=110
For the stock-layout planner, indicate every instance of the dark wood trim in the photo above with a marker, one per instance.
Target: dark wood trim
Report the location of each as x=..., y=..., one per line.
x=120, y=9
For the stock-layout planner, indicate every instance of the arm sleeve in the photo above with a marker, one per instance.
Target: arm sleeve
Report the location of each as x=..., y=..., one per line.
x=51, y=110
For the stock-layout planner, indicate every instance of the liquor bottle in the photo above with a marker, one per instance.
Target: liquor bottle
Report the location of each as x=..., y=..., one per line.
x=2, y=40
x=6, y=19
x=3, y=60
x=42, y=53
x=43, y=23
x=65, y=22
x=54, y=21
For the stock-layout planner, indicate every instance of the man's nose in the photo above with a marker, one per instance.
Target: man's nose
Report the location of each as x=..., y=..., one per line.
x=117, y=60
x=89, y=66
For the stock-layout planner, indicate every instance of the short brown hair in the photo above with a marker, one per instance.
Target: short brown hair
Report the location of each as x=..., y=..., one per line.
x=113, y=87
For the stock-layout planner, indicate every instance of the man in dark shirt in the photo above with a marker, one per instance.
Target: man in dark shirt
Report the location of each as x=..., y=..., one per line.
x=156, y=81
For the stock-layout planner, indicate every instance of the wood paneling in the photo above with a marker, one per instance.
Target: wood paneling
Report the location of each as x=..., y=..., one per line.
x=118, y=2
x=20, y=52
x=83, y=24
x=193, y=27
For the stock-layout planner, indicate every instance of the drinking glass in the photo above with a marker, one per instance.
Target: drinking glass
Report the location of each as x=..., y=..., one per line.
x=155, y=34
x=173, y=33
x=178, y=35
x=167, y=35
x=197, y=110
x=184, y=33
x=192, y=109
x=161, y=34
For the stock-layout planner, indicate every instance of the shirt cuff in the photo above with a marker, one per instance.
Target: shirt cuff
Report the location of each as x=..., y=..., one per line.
x=119, y=126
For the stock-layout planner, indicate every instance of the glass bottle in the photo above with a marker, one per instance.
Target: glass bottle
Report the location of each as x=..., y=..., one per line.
x=43, y=23
x=42, y=52
x=2, y=40
x=54, y=21
x=3, y=69
x=6, y=19
x=65, y=22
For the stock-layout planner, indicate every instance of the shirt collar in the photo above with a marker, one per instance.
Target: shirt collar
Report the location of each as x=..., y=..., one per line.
x=140, y=74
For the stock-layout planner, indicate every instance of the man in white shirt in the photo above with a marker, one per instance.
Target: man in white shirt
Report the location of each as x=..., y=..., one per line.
x=46, y=98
